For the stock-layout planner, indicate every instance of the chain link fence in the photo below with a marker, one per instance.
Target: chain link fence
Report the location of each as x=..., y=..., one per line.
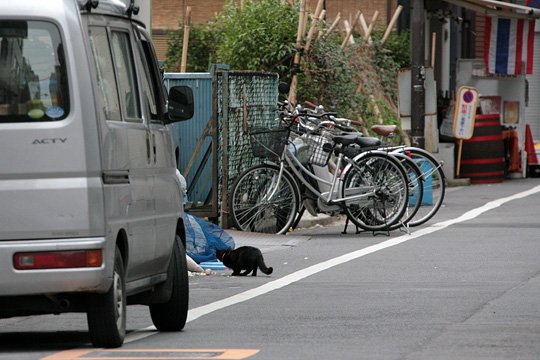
x=250, y=100
x=233, y=102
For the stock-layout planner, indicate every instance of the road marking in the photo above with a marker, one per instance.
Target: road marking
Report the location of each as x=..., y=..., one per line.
x=198, y=312
x=152, y=354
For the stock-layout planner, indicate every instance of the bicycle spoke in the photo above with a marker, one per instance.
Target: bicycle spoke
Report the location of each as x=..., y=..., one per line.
x=387, y=200
x=252, y=207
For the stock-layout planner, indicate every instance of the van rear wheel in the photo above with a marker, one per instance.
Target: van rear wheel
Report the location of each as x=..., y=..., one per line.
x=172, y=315
x=106, y=314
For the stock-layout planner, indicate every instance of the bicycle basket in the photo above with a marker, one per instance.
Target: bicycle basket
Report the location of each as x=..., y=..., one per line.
x=318, y=154
x=268, y=142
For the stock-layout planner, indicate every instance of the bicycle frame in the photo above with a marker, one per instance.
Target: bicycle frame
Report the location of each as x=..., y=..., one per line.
x=332, y=197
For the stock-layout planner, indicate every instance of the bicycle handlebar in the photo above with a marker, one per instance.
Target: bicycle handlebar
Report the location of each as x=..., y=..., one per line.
x=302, y=115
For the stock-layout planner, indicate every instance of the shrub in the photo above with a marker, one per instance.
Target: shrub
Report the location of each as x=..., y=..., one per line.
x=201, y=52
x=260, y=37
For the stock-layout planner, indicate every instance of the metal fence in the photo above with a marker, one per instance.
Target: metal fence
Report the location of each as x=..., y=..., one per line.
x=239, y=100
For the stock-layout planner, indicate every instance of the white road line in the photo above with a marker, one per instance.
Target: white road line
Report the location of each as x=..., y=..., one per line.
x=325, y=265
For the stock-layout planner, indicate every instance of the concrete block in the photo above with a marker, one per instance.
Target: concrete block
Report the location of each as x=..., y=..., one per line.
x=446, y=154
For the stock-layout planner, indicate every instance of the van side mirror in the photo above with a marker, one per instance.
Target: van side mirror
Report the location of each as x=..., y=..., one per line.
x=181, y=105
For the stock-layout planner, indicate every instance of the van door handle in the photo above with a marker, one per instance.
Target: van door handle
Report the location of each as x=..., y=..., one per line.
x=114, y=177
x=154, y=146
x=148, y=151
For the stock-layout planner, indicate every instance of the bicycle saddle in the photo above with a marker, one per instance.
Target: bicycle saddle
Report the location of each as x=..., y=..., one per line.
x=347, y=140
x=384, y=130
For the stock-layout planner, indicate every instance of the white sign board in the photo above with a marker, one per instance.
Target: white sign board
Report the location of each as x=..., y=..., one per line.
x=465, y=112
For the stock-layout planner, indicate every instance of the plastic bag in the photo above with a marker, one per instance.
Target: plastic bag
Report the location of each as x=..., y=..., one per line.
x=203, y=238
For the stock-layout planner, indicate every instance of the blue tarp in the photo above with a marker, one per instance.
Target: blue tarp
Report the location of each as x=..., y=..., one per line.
x=204, y=237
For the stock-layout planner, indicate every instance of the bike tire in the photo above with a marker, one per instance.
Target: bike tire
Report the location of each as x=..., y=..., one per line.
x=416, y=190
x=434, y=185
x=382, y=178
x=250, y=208
x=298, y=217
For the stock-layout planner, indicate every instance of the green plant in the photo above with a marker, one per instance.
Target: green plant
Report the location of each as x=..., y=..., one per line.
x=390, y=58
x=398, y=47
x=261, y=36
x=327, y=78
x=201, y=52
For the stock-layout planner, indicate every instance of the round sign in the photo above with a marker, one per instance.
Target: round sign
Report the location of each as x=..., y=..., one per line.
x=465, y=112
x=468, y=96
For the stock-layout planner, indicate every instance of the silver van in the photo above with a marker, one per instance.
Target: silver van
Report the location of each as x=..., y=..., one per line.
x=90, y=204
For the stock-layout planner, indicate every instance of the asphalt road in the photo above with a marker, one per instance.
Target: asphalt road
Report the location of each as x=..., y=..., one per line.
x=464, y=286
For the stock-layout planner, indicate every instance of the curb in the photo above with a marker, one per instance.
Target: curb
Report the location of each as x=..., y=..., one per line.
x=309, y=221
x=458, y=182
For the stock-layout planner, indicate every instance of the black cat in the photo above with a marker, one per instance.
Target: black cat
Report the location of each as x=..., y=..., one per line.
x=246, y=258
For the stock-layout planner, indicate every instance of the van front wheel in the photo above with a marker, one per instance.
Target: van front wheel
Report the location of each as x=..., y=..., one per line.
x=172, y=315
x=106, y=314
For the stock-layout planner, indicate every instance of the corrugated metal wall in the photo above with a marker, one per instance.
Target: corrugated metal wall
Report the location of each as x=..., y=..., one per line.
x=186, y=135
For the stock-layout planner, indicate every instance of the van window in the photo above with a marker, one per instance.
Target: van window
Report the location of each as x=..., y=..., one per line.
x=105, y=73
x=33, y=80
x=149, y=88
x=125, y=71
x=152, y=82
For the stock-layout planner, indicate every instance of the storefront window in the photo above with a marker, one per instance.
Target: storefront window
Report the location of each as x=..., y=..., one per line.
x=33, y=81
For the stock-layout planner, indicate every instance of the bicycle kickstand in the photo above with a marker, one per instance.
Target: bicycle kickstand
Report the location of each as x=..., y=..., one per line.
x=346, y=225
x=405, y=228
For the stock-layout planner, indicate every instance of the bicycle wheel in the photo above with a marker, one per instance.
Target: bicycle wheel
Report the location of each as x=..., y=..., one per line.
x=416, y=190
x=376, y=188
x=434, y=184
x=298, y=217
x=254, y=208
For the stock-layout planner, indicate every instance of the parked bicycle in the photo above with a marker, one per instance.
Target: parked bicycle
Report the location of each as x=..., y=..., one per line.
x=424, y=202
x=433, y=179
x=371, y=188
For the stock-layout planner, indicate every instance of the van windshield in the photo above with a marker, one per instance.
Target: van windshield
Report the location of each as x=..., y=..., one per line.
x=33, y=83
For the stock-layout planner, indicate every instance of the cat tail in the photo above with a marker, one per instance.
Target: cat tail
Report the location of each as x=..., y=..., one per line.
x=263, y=267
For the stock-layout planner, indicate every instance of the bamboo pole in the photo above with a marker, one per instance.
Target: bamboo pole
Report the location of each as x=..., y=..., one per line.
x=349, y=33
x=371, y=26
x=186, y=40
x=391, y=24
x=314, y=20
x=296, y=61
x=347, y=27
x=433, y=46
x=305, y=18
x=364, y=27
x=321, y=18
x=334, y=24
